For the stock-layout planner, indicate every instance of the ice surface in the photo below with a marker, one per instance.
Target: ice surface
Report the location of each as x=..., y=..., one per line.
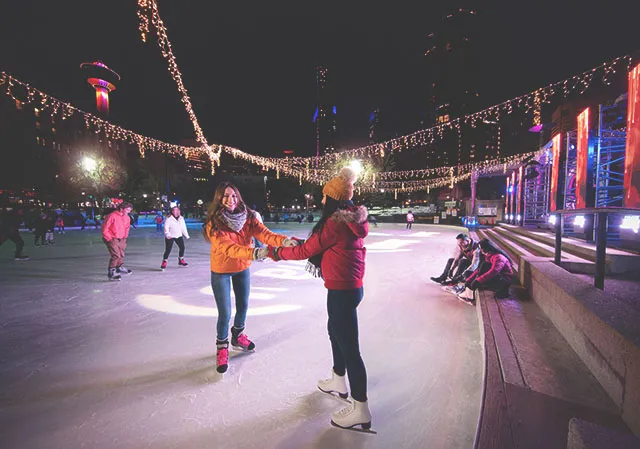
x=87, y=363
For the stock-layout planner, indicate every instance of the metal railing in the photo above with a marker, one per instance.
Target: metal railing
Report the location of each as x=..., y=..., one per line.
x=600, y=219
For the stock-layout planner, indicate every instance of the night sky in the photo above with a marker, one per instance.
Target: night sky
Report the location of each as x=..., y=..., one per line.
x=250, y=70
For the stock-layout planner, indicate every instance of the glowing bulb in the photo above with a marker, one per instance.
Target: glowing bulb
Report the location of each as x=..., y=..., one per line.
x=631, y=222
x=356, y=166
x=88, y=163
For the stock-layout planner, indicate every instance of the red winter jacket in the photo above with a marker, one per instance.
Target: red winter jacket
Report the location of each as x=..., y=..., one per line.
x=499, y=265
x=342, y=241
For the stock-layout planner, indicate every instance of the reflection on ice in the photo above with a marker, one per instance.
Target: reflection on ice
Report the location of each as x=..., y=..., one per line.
x=166, y=304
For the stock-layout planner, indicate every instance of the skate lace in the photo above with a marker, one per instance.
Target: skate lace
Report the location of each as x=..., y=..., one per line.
x=222, y=356
x=346, y=411
x=243, y=340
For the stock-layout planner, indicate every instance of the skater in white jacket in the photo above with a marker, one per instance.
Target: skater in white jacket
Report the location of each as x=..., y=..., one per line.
x=175, y=229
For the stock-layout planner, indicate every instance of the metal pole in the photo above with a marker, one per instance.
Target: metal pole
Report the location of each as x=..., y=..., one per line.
x=558, y=253
x=601, y=250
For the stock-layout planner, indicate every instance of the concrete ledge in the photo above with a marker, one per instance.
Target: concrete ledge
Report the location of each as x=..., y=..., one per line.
x=601, y=330
x=618, y=261
x=586, y=435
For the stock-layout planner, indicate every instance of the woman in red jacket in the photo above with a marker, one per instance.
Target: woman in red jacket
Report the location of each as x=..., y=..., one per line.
x=495, y=273
x=230, y=228
x=336, y=253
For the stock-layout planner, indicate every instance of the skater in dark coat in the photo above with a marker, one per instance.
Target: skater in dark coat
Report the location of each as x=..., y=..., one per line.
x=10, y=221
x=336, y=253
x=40, y=229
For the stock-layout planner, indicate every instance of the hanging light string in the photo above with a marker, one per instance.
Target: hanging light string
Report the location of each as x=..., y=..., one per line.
x=530, y=101
x=533, y=100
x=148, y=13
x=282, y=166
x=61, y=110
x=298, y=167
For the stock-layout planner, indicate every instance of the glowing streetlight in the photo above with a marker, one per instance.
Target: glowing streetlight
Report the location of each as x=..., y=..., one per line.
x=356, y=166
x=89, y=164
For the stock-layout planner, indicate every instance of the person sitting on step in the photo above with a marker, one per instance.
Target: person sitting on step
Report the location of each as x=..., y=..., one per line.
x=494, y=274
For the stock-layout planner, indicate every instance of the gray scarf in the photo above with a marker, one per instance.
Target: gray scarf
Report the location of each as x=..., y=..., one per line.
x=236, y=221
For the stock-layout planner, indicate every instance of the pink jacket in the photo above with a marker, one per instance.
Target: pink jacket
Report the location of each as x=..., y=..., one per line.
x=116, y=226
x=499, y=265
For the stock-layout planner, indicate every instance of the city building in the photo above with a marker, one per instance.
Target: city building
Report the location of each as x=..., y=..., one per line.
x=325, y=115
x=451, y=69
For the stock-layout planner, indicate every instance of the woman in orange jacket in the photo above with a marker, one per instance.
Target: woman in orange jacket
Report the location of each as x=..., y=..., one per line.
x=230, y=228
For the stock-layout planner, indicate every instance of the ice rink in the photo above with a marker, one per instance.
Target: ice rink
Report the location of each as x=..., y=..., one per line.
x=88, y=363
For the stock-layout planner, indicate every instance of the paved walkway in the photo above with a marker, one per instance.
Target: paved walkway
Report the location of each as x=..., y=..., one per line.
x=131, y=364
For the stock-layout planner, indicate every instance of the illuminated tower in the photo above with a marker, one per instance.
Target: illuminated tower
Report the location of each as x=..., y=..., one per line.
x=103, y=80
x=325, y=116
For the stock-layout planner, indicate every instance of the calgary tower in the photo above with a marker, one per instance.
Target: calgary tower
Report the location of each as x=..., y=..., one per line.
x=103, y=80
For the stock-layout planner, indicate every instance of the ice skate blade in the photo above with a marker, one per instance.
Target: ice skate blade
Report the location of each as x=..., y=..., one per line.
x=343, y=396
x=366, y=427
x=241, y=349
x=471, y=302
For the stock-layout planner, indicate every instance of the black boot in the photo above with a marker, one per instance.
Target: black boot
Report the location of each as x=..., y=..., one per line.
x=112, y=275
x=445, y=273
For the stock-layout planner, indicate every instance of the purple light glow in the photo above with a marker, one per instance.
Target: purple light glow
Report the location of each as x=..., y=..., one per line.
x=535, y=129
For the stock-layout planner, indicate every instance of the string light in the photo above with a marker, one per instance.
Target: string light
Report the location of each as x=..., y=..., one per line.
x=299, y=166
x=149, y=8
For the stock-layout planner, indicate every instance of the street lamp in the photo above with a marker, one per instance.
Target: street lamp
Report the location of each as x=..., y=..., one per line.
x=308, y=197
x=89, y=164
x=356, y=166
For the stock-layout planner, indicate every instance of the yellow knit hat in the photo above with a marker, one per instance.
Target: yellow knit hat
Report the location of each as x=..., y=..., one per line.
x=341, y=187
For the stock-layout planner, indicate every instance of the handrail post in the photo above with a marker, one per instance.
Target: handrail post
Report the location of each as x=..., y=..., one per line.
x=558, y=252
x=601, y=250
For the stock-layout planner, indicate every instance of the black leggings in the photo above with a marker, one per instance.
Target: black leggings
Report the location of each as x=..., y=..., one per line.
x=343, y=334
x=168, y=244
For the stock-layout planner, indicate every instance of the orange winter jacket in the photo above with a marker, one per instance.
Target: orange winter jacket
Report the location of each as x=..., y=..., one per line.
x=116, y=226
x=232, y=252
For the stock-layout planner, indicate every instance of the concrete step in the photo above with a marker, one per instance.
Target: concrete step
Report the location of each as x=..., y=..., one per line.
x=618, y=261
x=569, y=262
x=602, y=329
x=545, y=382
x=587, y=435
x=513, y=249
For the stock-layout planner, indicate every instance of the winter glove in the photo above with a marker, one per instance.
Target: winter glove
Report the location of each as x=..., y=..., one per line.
x=260, y=253
x=273, y=253
x=289, y=242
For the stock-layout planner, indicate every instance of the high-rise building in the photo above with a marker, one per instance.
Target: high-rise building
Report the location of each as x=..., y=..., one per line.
x=374, y=127
x=452, y=69
x=325, y=115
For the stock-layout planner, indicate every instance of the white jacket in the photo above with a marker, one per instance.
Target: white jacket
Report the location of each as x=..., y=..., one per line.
x=175, y=228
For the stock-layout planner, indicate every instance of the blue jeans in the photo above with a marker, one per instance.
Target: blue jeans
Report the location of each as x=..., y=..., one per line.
x=343, y=335
x=221, y=285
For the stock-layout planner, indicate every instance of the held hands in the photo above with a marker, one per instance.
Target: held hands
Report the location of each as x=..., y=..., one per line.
x=289, y=242
x=260, y=253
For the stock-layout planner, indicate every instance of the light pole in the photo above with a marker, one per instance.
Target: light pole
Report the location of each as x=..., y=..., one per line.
x=308, y=197
x=89, y=165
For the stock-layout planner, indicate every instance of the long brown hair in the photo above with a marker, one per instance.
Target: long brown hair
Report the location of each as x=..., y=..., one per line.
x=215, y=209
